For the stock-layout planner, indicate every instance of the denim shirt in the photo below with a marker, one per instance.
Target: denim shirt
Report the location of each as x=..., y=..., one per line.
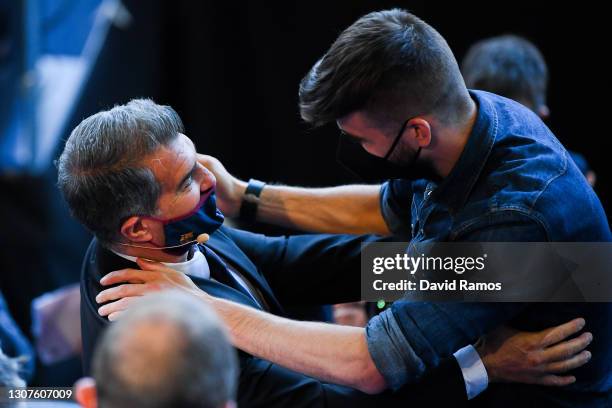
x=514, y=181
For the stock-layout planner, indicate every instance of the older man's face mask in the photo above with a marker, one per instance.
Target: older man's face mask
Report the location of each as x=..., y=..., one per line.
x=187, y=229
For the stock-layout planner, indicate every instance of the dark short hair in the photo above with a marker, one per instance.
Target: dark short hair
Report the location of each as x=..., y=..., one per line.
x=189, y=364
x=389, y=62
x=101, y=172
x=509, y=66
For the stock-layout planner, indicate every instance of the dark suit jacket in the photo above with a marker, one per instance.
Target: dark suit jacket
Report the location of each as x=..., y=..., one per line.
x=299, y=270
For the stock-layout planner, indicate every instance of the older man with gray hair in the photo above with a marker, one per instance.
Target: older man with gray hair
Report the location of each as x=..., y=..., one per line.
x=168, y=351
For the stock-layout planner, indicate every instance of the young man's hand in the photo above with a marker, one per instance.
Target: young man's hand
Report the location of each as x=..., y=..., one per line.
x=510, y=355
x=230, y=190
x=153, y=277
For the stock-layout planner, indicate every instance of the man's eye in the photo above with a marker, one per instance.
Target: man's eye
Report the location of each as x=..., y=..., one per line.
x=188, y=183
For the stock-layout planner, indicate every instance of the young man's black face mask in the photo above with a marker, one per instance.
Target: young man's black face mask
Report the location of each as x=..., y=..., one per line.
x=371, y=168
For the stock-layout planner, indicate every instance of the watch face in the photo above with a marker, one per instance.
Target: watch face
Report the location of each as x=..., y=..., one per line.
x=250, y=200
x=254, y=188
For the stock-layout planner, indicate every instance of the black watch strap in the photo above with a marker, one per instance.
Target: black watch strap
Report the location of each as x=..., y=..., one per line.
x=250, y=201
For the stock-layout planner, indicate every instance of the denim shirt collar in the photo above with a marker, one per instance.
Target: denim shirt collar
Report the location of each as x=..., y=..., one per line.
x=456, y=187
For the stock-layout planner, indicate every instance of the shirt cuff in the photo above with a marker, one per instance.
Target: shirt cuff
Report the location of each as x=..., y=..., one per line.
x=398, y=225
x=473, y=370
x=392, y=354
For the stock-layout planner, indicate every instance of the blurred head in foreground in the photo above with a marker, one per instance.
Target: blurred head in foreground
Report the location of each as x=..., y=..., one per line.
x=169, y=350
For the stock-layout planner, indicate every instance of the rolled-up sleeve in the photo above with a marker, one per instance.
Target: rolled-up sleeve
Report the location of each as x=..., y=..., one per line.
x=395, y=203
x=412, y=337
x=391, y=352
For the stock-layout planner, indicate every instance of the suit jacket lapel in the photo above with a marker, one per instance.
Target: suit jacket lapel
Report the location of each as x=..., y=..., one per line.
x=223, y=291
x=225, y=246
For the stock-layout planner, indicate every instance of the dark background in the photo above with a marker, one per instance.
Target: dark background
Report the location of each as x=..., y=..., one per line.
x=232, y=71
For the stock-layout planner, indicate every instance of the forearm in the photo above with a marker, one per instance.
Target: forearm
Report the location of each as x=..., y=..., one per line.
x=331, y=353
x=352, y=209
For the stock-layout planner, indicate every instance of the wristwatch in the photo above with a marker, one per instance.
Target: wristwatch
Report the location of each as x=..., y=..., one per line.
x=250, y=200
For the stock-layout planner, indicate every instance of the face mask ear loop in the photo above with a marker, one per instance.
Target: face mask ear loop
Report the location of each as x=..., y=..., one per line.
x=397, y=139
x=200, y=239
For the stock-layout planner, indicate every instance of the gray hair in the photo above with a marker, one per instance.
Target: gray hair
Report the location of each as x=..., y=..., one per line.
x=168, y=350
x=101, y=172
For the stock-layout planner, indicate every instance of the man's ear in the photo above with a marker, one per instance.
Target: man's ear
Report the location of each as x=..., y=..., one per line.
x=85, y=392
x=136, y=229
x=421, y=130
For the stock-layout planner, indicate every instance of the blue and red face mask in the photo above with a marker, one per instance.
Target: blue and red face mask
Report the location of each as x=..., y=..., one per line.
x=181, y=232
